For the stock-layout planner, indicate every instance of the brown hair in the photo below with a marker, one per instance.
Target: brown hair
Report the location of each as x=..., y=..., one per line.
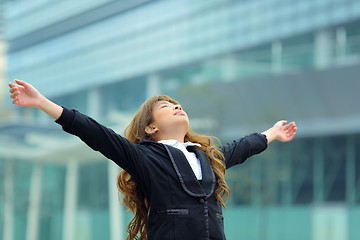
x=132, y=196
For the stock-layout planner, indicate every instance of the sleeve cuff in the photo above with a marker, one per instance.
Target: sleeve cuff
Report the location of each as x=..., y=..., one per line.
x=264, y=136
x=66, y=118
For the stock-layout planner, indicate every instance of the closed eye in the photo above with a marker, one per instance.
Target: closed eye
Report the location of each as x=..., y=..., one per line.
x=165, y=104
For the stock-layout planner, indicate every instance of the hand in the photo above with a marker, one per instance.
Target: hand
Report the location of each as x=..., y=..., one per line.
x=24, y=94
x=283, y=132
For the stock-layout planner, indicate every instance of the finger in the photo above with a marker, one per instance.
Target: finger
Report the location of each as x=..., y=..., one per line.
x=287, y=128
x=289, y=132
x=291, y=129
x=292, y=133
x=13, y=89
x=14, y=94
x=290, y=126
x=22, y=83
x=11, y=84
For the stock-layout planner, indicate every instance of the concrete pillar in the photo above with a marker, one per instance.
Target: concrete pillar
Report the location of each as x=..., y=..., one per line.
x=153, y=85
x=276, y=57
x=229, y=69
x=3, y=85
x=70, y=200
x=323, y=48
x=32, y=227
x=94, y=103
x=8, y=233
x=318, y=174
x=116, y=213
x=340, y=42
x=272, y=184
x=351, y=189
x=255, y=171
x=286, y=185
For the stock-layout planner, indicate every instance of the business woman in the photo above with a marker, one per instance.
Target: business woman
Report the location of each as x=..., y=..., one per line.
x=173, y=180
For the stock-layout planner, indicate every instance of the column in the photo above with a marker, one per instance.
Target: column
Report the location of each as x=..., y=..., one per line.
x=323, y=48
x=272, y=184
x=286, y=176
x=9, y=201
x=350, y=170
x=94, y=100
x=340, y=42
x=153, y=85
x=70, y=200
x=3, y=85
x=256, y=194
x=229, y=68
x=115, y=210
x=318, y=174
x=34, y=203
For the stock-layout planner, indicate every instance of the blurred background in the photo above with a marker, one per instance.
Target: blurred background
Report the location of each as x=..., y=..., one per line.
x=236, y=66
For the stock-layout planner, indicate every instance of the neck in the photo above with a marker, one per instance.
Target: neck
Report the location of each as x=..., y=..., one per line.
x=179, y=138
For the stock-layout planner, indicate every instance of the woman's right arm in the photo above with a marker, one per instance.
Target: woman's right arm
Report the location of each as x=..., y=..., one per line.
x=95, y=135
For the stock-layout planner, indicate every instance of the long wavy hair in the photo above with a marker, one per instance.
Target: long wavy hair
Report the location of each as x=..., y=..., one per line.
x=132, y=196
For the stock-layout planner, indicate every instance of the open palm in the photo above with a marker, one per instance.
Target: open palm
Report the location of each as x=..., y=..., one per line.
x=24, y=94
x=285, y=132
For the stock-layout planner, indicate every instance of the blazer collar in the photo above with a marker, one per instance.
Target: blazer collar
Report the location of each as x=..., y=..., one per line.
x=186, y=175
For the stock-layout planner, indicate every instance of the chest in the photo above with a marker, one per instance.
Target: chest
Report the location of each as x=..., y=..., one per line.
x=170, y=175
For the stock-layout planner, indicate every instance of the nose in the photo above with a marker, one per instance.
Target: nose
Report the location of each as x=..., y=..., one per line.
x=178, y=107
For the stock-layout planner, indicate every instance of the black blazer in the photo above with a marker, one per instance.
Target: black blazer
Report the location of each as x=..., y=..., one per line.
x=181, y=207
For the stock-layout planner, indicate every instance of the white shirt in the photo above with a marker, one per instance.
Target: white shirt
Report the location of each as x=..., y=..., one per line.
x=190, y=156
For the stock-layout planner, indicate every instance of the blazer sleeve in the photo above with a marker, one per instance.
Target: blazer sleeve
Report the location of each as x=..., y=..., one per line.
x=100, y=138
x=238, y=151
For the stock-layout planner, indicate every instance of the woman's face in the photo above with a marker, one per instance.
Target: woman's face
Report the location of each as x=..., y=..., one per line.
x=169, y=118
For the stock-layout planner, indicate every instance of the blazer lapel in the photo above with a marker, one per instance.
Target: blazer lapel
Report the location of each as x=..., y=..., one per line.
x=186, y=175
x=208, y=176
x=184, y=172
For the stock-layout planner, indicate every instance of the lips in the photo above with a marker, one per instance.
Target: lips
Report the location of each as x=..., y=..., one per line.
x=180, y=113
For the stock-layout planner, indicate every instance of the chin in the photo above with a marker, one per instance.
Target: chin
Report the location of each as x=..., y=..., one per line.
x=184, y=123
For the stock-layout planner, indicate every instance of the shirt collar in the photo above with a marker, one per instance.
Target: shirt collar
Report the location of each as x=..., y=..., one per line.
x=173, y=142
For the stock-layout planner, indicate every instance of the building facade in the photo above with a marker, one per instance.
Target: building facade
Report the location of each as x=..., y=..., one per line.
x=236, y=66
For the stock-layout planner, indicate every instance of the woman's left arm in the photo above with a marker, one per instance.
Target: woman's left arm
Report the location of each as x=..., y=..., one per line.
x=281, y=131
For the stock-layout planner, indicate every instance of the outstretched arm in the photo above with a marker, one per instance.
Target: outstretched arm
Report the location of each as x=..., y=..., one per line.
x=25, y=95
x=238, y=151
x=281, y=131
x=100, y=138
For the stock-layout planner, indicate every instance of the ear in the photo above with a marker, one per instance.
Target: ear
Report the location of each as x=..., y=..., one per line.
x=151, y=129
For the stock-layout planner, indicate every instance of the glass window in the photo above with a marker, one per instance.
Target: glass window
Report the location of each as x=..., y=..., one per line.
x=298, y=53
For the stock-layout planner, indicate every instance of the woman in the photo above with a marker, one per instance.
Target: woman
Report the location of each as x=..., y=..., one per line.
x=172, y=179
